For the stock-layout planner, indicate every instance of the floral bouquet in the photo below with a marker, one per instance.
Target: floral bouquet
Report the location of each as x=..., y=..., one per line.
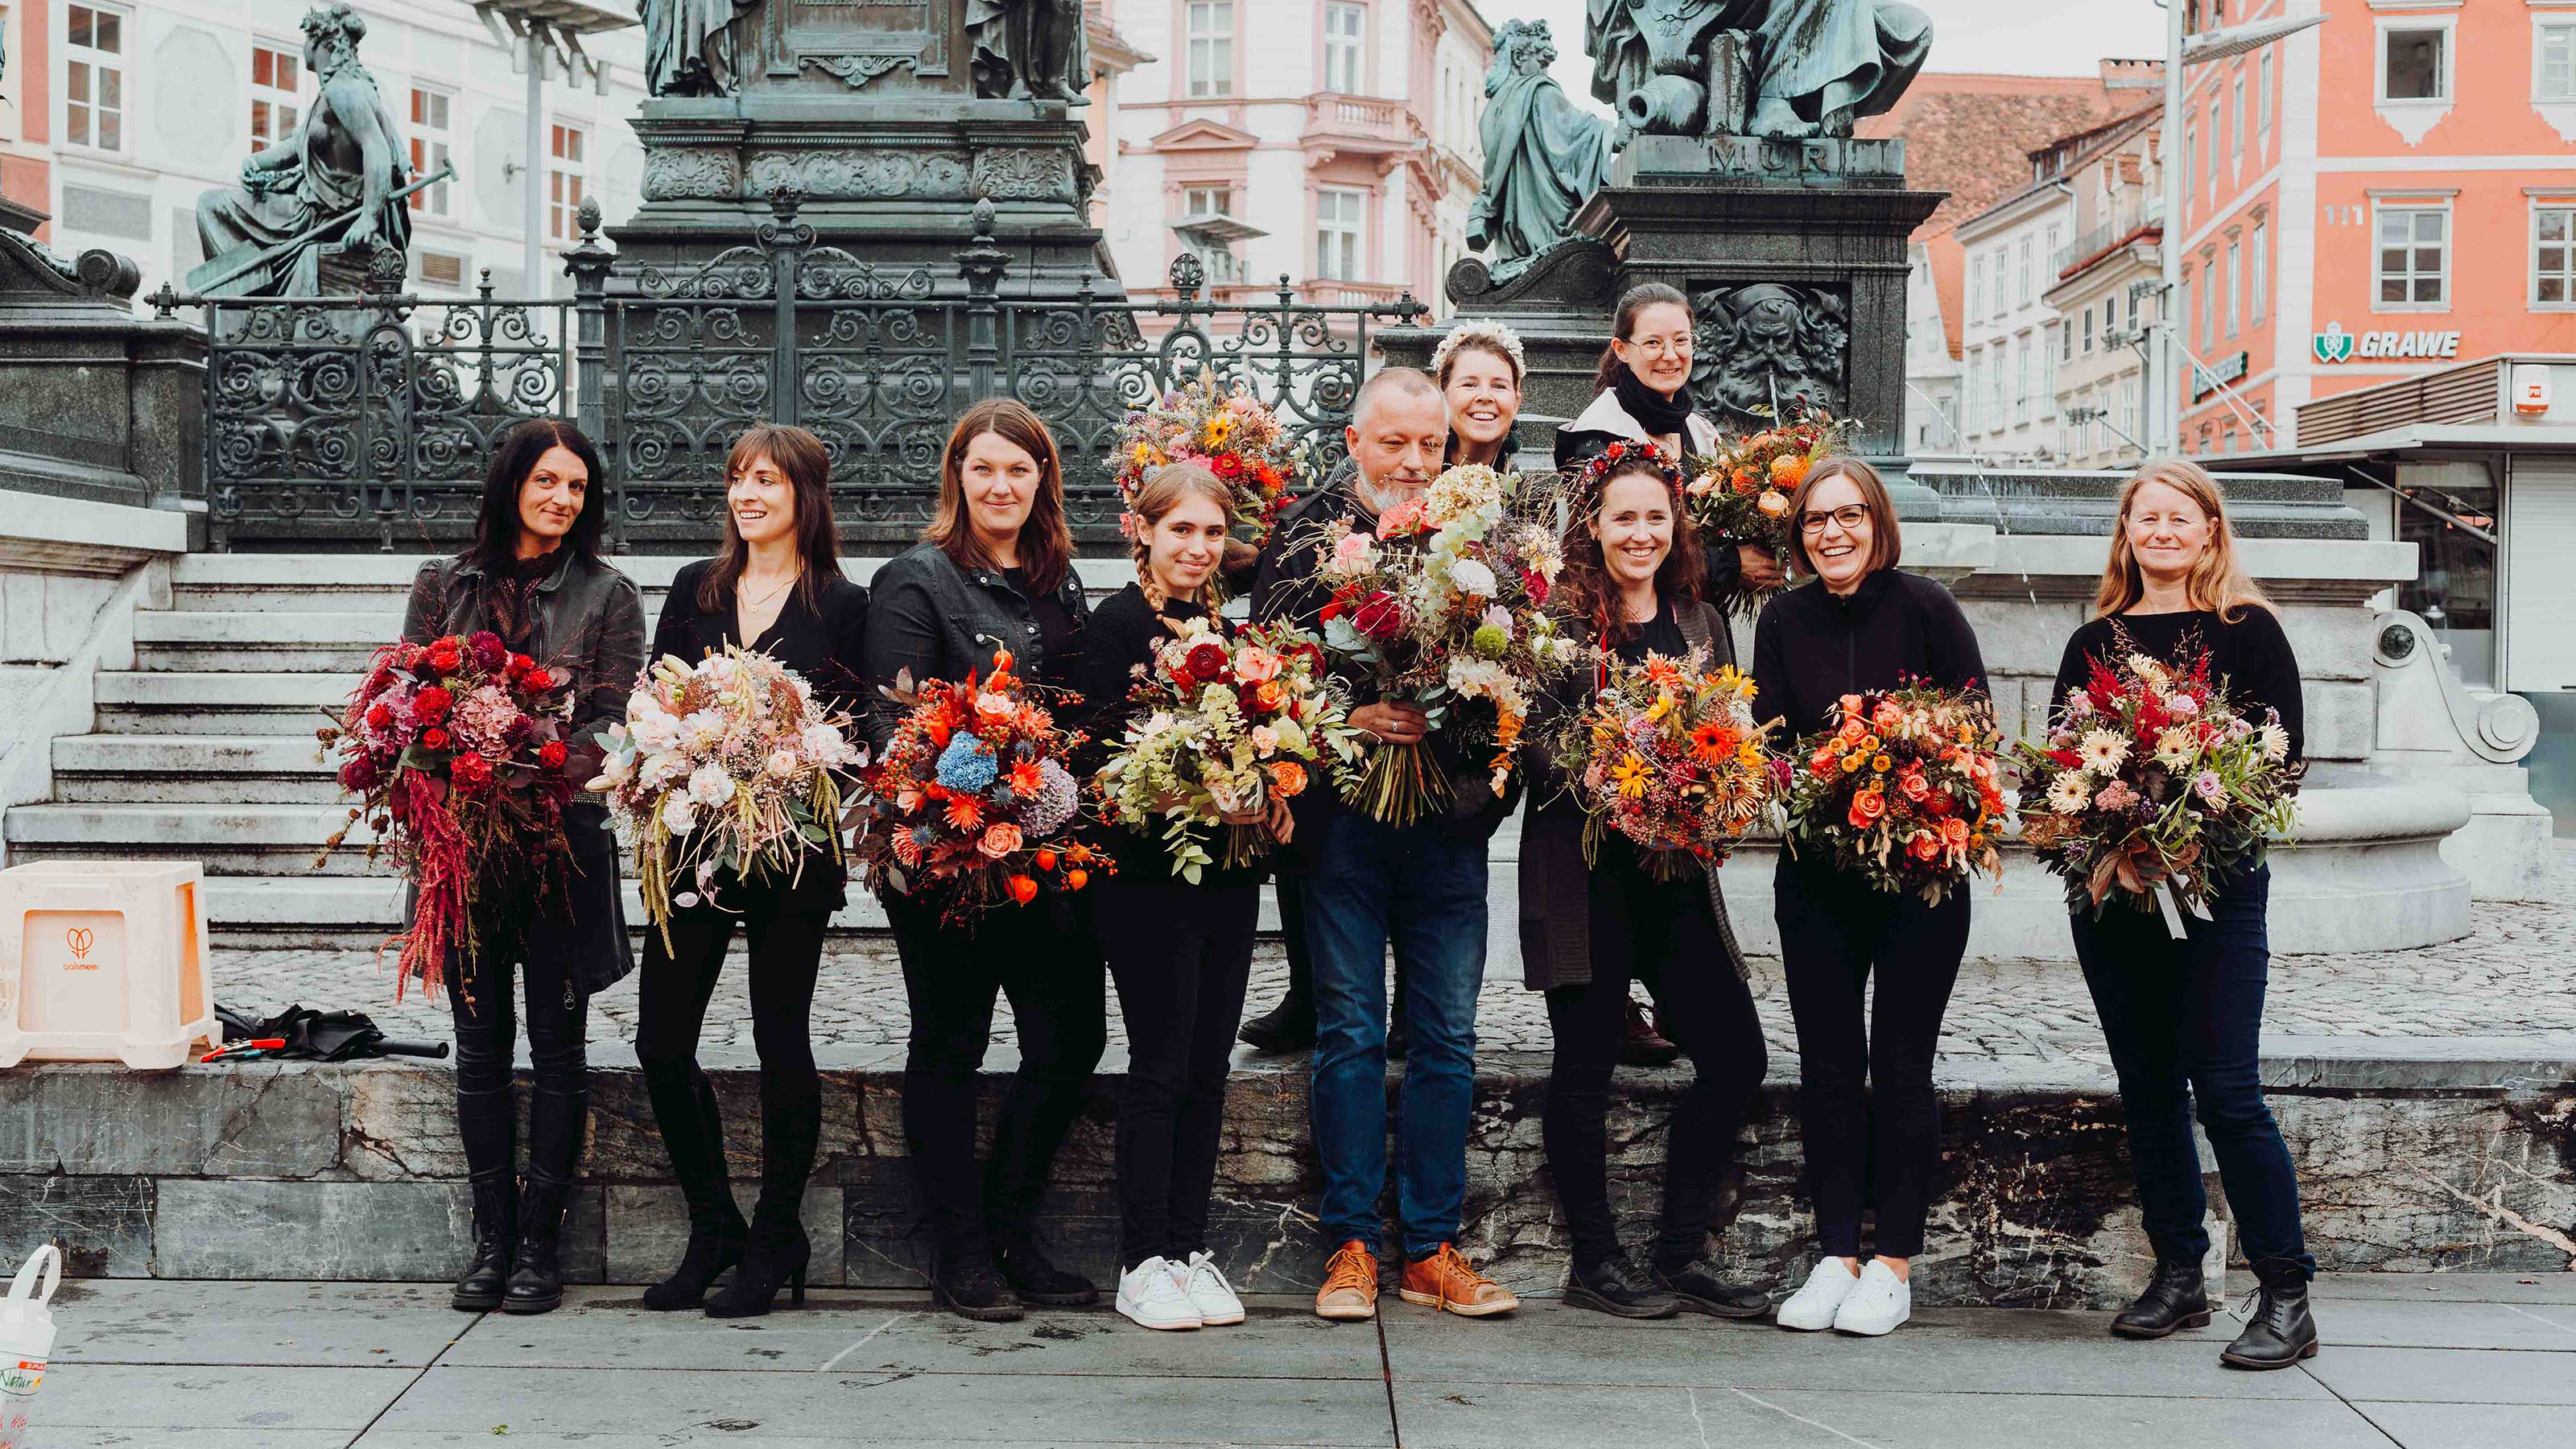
x=459, y=753
x=1669, y=756
x=1904, y=790
x=971, y=799
x=1232, y=728
x=1740, y=493
x=2157, y=786
x=1444, y=605
x=723, y=765
x=1221, y=426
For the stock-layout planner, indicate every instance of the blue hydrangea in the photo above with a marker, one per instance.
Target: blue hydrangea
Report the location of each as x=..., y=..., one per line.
x=967, y=765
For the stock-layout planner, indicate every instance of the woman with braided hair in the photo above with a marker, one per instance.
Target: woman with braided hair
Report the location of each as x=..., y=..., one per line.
x=1180, y=953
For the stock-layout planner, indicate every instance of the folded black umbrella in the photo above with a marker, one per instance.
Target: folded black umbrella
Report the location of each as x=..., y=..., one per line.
x=299, y=1034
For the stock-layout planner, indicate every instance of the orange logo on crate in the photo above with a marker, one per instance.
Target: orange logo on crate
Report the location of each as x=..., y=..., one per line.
x=78, y=938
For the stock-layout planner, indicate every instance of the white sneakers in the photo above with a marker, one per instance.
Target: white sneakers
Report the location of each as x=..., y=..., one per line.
x=1159, y=1293
x=1877, y=1304
x=1871, y=1304
x=1813, y=1307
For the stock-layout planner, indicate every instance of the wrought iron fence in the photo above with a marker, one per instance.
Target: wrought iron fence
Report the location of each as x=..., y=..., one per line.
x=368, y=419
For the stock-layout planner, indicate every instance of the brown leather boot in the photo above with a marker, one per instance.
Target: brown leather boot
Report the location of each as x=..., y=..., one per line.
x=1644, y=1046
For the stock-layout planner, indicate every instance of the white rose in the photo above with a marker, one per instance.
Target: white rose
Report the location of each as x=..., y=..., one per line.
x=710, y=785
x=781, y=764
x=677, y=816
x=1471, y=576
x=825, y=745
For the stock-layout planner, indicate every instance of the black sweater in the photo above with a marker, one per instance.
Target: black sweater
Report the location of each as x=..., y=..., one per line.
x=1812, y=647
x=2250, y=658
x=1123, y=633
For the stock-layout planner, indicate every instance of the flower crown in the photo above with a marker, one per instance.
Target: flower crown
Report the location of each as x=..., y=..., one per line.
x=1494, y=336
x=1588, y=478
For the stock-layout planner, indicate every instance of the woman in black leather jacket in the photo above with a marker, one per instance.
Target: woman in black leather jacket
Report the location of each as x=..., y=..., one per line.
x=994, y=571
x=534, y=576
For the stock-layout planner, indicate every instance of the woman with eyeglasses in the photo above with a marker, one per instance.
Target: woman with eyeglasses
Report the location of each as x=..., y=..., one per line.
x=1859, y=624
x=1643, y=395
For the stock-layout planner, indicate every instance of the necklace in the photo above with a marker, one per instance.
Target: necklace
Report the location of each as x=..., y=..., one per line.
x=756, y=600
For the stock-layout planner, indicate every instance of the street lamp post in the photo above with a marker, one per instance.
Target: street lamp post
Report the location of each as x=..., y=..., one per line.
x=540, y=33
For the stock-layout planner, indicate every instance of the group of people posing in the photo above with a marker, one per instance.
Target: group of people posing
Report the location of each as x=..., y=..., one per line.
x=1868, y=972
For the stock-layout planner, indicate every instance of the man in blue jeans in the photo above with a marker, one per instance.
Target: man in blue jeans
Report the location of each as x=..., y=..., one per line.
x=1420, y=888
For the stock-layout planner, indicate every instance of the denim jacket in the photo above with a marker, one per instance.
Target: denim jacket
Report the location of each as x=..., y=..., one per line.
x=928, y=616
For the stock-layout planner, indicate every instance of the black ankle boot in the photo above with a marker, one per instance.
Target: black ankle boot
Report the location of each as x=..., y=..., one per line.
x=1287, y=1027
x=1696, y=1287
x=693, y=1134
x=969, y=1286
x=2281, y=1331
x=1618, y=1286
x=487, y=1271
x=536, y=1282
x=2176, y=1298
x=774, y=1260
x=1037, y=1280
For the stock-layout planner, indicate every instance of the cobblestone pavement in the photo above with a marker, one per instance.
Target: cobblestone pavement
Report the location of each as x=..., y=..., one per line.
x=2513, y=975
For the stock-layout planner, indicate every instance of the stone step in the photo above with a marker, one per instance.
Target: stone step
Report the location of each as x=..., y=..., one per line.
x=224, y=839
x=216, y=702
x=191, y=769
x=261, y=640
x=381, y=583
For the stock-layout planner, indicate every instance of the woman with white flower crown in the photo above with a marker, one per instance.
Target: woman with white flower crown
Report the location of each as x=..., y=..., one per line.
x=2184, y=1017
x=777, y=588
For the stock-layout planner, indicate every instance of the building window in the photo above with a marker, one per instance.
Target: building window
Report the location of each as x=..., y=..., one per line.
x=2217, y=120
x=2208, y=302
x=2029, y=272
x=1345, y=46
x=2553, y=255
x=2555, y=56
x=2110, y=319
x=2263, y=104
x=1207, y=201
x=2026, y=357
x=2413, y=65
x=565, y=173
x=1211, y=42
x=94, y=78
x=1968, y=396
x=2236, y=123
x=1998, y=363
x=1337, y=232
x=2235, y=286
x=2190, y=154
x=430, y=112
x=2414, y=256
x=1977, y=285
x=2259, y=275
x=2190, y=309
x=2088, y=331
x=2066, y=336
x=276, y=77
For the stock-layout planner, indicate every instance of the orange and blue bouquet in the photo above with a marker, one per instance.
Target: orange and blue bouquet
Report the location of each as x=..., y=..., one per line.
x=971, y=802
x=1904, y=790
x=1669, y=758
x=460, y=753
x=2151, y=785
x=1227, y=727
x=1224, y=427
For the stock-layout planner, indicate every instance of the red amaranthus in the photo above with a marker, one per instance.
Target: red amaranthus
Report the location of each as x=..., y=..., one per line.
x=460, y=754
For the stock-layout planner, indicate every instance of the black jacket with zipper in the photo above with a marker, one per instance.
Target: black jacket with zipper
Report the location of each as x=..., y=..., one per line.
x=1812, y=647
x=935, y=620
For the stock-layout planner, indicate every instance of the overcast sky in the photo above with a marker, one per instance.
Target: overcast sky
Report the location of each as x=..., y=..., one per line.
x=2016, y=37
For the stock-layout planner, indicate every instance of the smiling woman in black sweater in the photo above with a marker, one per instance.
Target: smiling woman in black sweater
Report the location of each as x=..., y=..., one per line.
x=1860, y=624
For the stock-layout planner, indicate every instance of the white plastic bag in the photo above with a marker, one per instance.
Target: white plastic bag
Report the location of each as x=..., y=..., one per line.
x=26, y=1340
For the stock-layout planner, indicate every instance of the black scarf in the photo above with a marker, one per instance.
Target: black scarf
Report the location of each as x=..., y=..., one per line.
x=1659, y=415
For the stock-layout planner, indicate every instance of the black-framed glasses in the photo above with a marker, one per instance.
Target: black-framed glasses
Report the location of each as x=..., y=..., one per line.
x=1851, y=516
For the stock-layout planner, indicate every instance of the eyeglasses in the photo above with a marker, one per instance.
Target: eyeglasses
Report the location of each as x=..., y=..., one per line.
x=1850, y=517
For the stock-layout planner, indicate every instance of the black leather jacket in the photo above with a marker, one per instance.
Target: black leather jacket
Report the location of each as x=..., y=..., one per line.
x=928, y=616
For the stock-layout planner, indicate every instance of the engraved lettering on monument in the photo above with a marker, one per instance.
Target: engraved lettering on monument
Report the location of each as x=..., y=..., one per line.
x=856, y=40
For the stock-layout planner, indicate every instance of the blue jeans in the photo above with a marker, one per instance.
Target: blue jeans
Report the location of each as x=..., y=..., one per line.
x=2184, y=1020
x=1423, y=890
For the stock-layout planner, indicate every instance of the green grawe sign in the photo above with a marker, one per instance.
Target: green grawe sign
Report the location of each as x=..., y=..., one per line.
x=2336, y=345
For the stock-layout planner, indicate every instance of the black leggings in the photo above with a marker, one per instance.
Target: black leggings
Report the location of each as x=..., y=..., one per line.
x=1664, y=934
x=479, y=997
x=1049, y=967
x=1180, y=955
x=1881, y=1140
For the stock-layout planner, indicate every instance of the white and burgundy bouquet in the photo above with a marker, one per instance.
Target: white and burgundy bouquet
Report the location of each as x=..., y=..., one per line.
x=1669, y=757
x=459, y=752
x=724, y=765
x=2152, y=785
x=1445, y=606
x=1228, y=728
x=1223, y=427
x=1904, y=790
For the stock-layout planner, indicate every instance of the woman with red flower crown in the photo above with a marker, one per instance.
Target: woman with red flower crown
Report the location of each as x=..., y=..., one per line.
x=533, y=577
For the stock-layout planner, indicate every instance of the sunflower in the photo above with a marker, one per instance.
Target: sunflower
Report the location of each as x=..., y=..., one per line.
x=1632, y=774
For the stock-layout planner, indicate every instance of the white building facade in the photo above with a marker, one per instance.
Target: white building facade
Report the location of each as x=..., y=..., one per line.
x=2008, y=332
x=1931, y=373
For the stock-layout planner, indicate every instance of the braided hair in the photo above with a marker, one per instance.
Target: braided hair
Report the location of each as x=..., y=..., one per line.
x=1170, y=485
x=1589, y=593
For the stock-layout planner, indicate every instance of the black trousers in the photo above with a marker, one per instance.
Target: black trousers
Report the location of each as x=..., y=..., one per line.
x=1663, y=934
x=1049, y=966
x=1867, y=1112
x=1180, y=956
x=671, y=1009
x=479, y=997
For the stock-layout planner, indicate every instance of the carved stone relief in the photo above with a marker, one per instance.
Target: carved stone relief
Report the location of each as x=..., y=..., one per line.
x=1770, y=345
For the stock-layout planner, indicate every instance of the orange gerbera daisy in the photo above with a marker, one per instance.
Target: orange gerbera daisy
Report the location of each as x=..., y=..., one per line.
x=965, y=812
x=1026, y=780
x=1712, y=742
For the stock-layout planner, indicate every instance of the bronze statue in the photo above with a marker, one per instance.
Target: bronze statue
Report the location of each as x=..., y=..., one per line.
x=1543, y=154
x=1032, y=48
x=266, y=238
x=1785, y=69
x=692, y=47
x=1769, y=350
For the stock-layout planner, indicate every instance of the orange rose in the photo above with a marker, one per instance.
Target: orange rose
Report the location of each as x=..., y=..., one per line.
x=1852, y=732
x=1271, y=695
x=1821, y=764
x=1287, y=778
x=1866, y=808
x=1954, y=832
x=1925, y=845
x=1913, y=785
x=1746, y=481
x=1788, y=469
x=1000, y=840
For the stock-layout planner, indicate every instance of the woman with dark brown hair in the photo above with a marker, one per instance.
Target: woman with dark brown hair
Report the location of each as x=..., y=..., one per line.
x=777, y=588
x=993, y=572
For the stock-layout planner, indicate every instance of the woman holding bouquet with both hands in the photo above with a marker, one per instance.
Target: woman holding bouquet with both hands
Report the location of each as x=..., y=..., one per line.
x=1632, y=586
x=533, y=576
x=1179, y=950
x=993, y=574
x=1860, y=625
x=776, y=589
x=2184, y=1017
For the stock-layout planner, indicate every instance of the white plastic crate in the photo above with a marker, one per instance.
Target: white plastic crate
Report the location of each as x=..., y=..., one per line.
x=104, y=960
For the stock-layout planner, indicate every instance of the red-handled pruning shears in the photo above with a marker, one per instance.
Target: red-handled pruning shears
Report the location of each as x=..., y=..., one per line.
x=246, y=1048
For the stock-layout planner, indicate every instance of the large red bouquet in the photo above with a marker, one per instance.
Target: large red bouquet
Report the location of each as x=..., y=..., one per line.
x=460, y=754
x=971, y=801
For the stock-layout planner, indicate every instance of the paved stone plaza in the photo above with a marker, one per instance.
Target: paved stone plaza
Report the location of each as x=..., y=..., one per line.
x=2471, y=1361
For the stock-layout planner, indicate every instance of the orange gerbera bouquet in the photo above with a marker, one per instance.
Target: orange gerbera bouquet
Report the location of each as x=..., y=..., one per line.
x=971, y=800
x=1903, y=789
x=1669, y=757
